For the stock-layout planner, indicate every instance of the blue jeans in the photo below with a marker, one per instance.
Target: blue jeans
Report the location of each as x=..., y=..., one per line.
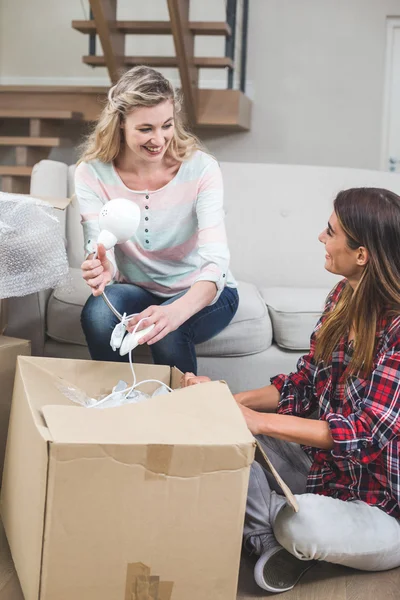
x=175, y=349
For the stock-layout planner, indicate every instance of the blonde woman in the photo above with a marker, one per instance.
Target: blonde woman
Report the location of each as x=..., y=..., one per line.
x=175, y=269
x=343, y=466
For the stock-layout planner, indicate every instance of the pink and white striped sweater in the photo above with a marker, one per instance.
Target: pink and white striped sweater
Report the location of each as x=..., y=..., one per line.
x=181, y=238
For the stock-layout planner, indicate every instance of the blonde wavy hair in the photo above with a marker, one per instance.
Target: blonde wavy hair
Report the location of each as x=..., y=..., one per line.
x=140, y=86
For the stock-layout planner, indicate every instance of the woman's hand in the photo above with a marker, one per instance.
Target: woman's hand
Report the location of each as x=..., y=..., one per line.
x=254, y=420
x=166, y=318
x=241, y=397
x=191, y=379
x=97, y=272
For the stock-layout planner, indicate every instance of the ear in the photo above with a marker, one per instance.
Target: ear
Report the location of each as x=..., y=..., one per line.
x=362, y=256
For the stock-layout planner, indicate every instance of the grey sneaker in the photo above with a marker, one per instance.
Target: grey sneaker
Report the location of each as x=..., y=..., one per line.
x=278, y=571
x=261, y=542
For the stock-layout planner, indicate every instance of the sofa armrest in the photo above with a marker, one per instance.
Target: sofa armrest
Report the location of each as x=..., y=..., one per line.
x=50, y=178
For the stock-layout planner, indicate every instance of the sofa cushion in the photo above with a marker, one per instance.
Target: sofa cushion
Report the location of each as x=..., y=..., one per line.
x=249, y=332
x=294, y=313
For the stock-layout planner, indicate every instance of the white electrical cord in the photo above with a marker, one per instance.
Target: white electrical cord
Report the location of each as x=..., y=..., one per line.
x=106, y=300
x=124, y=319
x=134, y=385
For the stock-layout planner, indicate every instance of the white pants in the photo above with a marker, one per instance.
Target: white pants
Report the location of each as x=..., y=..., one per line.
x=351, y=533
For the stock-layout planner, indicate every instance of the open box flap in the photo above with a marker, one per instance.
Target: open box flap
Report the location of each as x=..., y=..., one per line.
x=198, y=415
x=204, y=414
x=59, y=203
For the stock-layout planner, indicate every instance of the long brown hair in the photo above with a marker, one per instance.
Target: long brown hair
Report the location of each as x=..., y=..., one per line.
x=140, y=86
x=370, y=217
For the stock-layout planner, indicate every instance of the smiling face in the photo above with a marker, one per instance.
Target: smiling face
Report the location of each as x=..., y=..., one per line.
x=148, y=131
x=340, y=258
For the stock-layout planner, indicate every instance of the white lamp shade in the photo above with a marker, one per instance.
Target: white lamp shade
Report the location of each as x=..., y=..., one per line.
x=118, y=221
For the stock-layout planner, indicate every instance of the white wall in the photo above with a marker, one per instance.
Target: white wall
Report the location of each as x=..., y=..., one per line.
x=315, y=70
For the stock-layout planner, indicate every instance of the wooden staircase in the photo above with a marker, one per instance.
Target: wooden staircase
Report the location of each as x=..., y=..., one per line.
x=34, y=119
x=46, y=129
x=228, y=109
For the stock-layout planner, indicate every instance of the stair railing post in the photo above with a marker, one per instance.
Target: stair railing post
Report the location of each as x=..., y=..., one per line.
x=231, y=9
x=184, y=49
x=112, y=40
x=243, y=58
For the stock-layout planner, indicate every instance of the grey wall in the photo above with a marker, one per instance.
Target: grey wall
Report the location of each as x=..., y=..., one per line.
x=317, y=71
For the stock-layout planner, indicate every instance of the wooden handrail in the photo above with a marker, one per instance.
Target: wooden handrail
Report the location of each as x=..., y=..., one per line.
x=184, y=50
x=112, y=40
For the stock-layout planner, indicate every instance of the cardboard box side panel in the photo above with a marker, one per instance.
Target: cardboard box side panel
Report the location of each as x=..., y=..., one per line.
x=106, y=515
x=23, y=491
x=176, y=375
x=8, y=362
x=43, y=388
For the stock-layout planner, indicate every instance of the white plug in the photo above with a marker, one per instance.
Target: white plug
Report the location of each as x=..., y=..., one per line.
x=118, y=221
x=131, y=340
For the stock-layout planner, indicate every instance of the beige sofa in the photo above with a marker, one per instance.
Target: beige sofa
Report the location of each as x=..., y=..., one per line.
x=273, y=216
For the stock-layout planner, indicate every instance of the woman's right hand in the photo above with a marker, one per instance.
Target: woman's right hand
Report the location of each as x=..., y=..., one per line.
x=191, y=379
x=97, y=272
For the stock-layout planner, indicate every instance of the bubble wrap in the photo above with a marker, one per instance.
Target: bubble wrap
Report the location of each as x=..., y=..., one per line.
x=32, y=250
x=118, y=396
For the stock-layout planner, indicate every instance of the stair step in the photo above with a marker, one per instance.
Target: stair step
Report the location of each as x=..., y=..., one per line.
x=208, y=62
x=15, y=171
x=35, y=142
x=228, y=110
x=213, y=62
x=15, y=185
x=24, y=113
x=27, y=156
x=158, y=27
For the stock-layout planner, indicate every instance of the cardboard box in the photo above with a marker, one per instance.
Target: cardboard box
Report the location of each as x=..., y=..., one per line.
x=140, y=502
x=10, y=349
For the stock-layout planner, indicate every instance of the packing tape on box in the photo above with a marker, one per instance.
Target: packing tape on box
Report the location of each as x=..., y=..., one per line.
x=141, y=585
x=158, y=459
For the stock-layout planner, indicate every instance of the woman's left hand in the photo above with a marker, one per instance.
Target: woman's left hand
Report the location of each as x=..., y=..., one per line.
x=254, y=419
x=189, y=379
x=166, y=319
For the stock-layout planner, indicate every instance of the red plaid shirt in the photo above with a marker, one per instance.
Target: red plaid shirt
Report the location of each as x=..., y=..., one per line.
x=363, y=416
